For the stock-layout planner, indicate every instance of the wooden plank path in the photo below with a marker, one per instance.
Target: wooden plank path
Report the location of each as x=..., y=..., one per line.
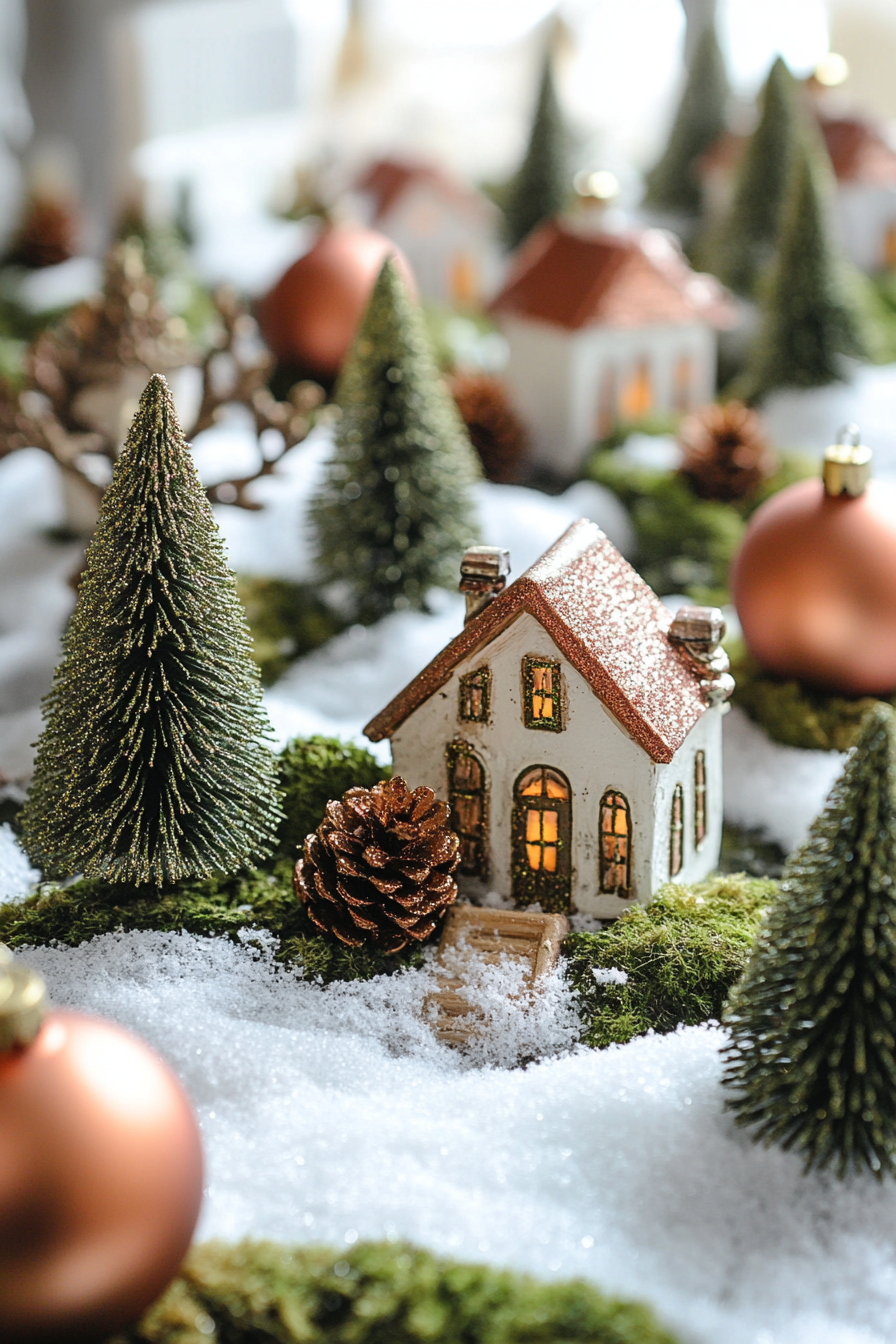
x=488, y=935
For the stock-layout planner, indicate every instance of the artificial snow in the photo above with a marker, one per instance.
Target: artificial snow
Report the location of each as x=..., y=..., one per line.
x=332, y=1115
x=17, y=877
x=779, y=790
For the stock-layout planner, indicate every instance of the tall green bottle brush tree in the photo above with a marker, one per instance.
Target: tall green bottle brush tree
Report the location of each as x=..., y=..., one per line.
x=812, y=1059
x=809, y=320
x=743, y=244
x=395, y=510
x=542, y=185
x=672, y=183
x=152, y=767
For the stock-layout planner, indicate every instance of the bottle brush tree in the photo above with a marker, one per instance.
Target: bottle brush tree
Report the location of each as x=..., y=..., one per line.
x=744, y=242
x=395, y=510
x=808, y=317
x=151, y=766
x=672, y=183
x=541, y=187
x=812, y=1057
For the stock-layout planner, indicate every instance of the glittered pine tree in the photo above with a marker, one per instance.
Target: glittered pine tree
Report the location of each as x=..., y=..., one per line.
x=395, y=510
x=151, y=766
x=743, y=245
x=672, y=184
x=808, y=316
x=541, y=188
x=812, y=1058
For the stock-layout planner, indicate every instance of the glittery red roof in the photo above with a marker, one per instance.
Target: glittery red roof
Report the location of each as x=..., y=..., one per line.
x=605, y=620
x=859, y=152
x=387, y=180
x=576, y=278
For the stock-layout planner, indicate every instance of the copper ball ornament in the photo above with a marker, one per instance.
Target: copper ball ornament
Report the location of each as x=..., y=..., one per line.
x=100, y=1177
x=310, y=317
x=814, y=581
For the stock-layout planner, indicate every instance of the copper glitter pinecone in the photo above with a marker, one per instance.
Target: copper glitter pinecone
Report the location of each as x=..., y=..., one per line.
x=495, y=429
x=726, y=453
x=378, y=868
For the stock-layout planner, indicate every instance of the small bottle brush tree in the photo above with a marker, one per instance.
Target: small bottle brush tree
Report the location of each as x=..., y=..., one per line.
x=672, y=183
x=808, y=320
x=813, y=1020
x=541, y=187
x=395, y=511
x=744, y=244
x=151, y=766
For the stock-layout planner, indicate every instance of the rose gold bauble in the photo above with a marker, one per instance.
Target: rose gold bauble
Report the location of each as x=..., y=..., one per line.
x=814, y=583
x=310, y=317
x=100, y=1181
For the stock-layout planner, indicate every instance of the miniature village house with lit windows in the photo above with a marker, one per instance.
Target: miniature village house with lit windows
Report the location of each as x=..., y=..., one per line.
x=575, y=729
x=602, y=329
x=446, y=228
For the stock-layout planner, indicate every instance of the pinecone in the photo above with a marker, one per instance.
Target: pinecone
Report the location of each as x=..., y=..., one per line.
x=495, y=430
x=726, y=453
x=378, y=868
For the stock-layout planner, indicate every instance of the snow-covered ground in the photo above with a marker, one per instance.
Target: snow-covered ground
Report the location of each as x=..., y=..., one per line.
x=333, y=1115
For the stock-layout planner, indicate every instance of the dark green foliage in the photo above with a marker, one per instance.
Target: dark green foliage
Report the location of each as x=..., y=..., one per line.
x=745, y=242
x=378, y=1293
x=395, y=511
x=541, y=187
x=749, y=851
x=809, y=319
x=313, y=771
x=812, y=1060
x=672, y=184
x=150, y=768
x=682, y=953
x=286, y=621
x=794, y=714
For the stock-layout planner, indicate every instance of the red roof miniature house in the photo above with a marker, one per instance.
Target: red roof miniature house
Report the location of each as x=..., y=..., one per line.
x=575, y=729
x=604, y=328
x=445, y=228
x=864, y=206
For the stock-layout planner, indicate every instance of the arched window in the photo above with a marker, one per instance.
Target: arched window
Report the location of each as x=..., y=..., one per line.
x=683, y=383
x=468, y=800
x=889, y=257
x=676, y=833
x=615, y=844
x=636, y=400
x=606, y=404
x=699, y=798
x=542, y=827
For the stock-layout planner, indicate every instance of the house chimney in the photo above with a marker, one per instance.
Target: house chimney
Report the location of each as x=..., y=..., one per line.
x=483, y=575
x=698, y=632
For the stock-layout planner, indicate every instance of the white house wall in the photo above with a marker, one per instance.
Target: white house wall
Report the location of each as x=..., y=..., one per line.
x=434, y=231
x=556, y=378
x=706, y=735
x=862, y=215
x=593, y=751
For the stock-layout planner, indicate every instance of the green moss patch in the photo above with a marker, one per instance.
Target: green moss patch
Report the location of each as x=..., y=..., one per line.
x=377, y=1293
x=287, y=620
x=225, y=907
x=794, y=714
x=312, y=771
x=682, y=954
x=685, y=544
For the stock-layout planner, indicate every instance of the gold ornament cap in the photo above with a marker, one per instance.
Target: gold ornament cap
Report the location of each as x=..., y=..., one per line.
x=847, y=465
x=23, y=1002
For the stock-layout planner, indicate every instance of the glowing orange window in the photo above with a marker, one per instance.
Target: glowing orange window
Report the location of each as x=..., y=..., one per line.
x=541, y=838
x=541, y=694
x=636, y=400
x=615, y=844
